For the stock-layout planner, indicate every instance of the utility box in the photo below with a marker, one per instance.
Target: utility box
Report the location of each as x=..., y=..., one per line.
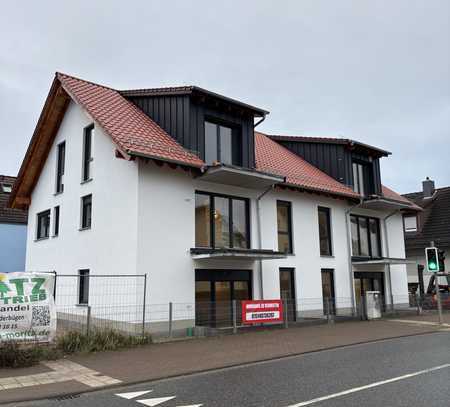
x=373, y=304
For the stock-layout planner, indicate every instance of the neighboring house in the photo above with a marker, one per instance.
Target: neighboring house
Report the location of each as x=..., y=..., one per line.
x=421, y=228
x=13, y=230
x=175, y=183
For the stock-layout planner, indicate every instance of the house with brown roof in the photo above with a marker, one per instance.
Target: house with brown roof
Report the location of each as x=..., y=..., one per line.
x=13, y=230
x=431, y=224
x=177, y=183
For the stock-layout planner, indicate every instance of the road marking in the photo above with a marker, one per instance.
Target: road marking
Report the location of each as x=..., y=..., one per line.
x=192, y=405
x=133, y=394
x=369, y=386
x=155, y=402
x=415, y=322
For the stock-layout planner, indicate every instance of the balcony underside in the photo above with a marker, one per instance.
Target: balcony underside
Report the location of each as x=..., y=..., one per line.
x=236, y=254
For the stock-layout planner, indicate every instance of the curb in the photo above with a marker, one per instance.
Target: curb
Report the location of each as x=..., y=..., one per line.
x=67, y=395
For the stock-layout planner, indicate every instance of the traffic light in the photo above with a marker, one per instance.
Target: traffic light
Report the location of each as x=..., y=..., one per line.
x=431, y=254
x=441, y=260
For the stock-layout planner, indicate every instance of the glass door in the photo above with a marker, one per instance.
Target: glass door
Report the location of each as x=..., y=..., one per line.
x=328, y=296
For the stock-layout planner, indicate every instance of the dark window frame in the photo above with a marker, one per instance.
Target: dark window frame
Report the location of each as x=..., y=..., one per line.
x=367, y=177
x=83, y=277
x=327, y=211
x=236, y=154
x=87, y=153
x=230, y=212
x=60, y=167
x=288, y=205
x=369, y=240
x=40, y=235
x=56, y=218
x=84, y=224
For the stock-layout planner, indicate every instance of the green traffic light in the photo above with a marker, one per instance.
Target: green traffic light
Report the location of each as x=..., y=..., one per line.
x=432, y=265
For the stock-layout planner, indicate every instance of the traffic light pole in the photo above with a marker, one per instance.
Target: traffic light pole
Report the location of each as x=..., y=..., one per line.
x=438, y=292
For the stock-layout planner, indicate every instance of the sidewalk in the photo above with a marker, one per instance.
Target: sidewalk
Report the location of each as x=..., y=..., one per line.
x=82, y=373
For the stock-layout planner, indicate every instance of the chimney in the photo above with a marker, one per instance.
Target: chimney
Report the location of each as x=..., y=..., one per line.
x=428, y=188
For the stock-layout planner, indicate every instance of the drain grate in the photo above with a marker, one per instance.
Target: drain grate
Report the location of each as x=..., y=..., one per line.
x=68, y=397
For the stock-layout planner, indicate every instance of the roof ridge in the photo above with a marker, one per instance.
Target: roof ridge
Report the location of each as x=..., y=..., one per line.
x=58, y=74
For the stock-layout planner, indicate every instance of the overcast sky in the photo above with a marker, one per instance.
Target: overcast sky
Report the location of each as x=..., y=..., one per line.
x=374, y=71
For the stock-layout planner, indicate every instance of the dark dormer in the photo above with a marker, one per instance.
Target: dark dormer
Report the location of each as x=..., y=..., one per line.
x=352, y=163
x=215, y=127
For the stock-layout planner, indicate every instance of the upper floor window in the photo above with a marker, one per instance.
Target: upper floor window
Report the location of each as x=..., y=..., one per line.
x=366, y=238
x=56, y=221
x=86, y=212
x=43, y=224
x=325, y=231
x=361, y=178
x=410, y=223
x=221, y=221
x=61, y=157
x=6, y=188
x=87, y=152
x=284, y=226
x=218, y=144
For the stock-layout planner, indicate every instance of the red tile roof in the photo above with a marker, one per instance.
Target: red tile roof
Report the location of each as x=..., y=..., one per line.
x=274, y=158
x=130, y=128
x=390, y=194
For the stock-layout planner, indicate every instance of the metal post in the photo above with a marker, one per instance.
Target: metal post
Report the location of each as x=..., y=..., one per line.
x=88, y=320
x=234, y=305
x=170, y=319
x=54, y=287
x=144, y=304
x=438, y=298
x=419, y=308
x=286, y=314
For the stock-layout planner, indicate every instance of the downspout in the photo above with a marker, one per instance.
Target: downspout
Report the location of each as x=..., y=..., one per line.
x=388, y=255
x=349, y=251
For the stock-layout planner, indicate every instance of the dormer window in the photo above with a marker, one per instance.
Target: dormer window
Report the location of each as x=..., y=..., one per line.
x=410, y=223
x=362, y=178
x=6, y=188
x=218, y=144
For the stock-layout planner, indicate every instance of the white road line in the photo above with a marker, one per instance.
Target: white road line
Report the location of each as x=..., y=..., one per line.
x=369, y=386
x=192, y=405
x=155, y=401
x=133, y=394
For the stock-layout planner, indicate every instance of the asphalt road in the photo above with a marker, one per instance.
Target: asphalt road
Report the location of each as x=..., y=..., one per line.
x=410, y=372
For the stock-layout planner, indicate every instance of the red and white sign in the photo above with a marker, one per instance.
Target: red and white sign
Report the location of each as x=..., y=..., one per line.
x=255, y=312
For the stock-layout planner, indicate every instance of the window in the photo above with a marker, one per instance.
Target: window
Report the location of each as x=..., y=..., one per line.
x=43, y=224
x=325, y=231
x=218, y=144
x=284, y=225
x=6, y=188
x=221, y=221
x=366, y=240
x=86, y=212
x=61, y=156
x=362, y=178
x=83, y=287
x=56, y=221
x=410, y=223
x=87, y=152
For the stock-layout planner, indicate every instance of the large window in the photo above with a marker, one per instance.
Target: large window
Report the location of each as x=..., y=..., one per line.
x=218, y=143
x=221, y=221
x=43, y=225
x=325, y=231
x=284, y=226
x=362, y=178
x=86, y=212
x=366, y=240
x=87, y=152
x=60, y=166
x=83, y=287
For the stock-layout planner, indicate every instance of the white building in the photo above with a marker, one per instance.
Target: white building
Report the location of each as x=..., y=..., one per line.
x=175, y=183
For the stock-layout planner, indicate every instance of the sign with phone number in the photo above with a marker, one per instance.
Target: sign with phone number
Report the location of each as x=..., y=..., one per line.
x=260, y=311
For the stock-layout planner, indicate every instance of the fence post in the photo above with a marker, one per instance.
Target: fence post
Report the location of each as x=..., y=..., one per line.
x=88, y=320
x=286, y=314
x=144, y=304
x=234, y=304
x=170, y=318
x=54, y=287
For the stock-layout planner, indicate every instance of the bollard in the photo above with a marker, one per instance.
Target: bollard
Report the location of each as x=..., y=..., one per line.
x=234, y=316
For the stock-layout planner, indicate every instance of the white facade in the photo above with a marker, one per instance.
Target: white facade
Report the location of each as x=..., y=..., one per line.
x=143, y=223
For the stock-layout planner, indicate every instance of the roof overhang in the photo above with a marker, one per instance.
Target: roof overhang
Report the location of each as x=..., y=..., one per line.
x=240, y=177
x=236, y=254
x=383, y=261
x=380, y=203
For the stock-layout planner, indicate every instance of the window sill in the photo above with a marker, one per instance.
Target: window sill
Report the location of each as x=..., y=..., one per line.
x=86, y=181
x=86, y=228
x=82, y=305
x=41, y=238
x=327, y=256
x=53, y=236
x=58, y=193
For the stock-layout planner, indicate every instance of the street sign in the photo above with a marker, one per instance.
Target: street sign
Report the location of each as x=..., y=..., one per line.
x=258, y=311
x=432, y=258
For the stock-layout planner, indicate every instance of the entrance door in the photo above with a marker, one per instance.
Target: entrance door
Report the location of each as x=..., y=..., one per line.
x=328, y=296
x=287, y=291
x=365, y=281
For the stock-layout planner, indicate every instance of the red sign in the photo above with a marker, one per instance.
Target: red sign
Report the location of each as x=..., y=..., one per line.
x=255, y=312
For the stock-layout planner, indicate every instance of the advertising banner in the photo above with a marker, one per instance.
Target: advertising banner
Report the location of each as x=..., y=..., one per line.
x=27, y=308
x=258, y=311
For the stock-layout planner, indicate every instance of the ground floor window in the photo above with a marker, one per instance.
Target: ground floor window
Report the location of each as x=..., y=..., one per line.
x=83, y=287
x=215, y=291
x=287, y=291
x=328, y=295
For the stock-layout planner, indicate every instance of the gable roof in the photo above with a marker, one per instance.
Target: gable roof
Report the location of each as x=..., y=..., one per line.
x=394, y=196
x=274, y=158
x=8, y=215
x=434, y=221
